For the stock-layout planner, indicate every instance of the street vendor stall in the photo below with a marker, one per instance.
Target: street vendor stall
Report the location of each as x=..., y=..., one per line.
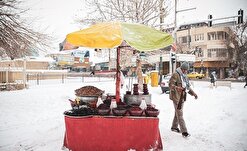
x=107, y=133
x=123, y=126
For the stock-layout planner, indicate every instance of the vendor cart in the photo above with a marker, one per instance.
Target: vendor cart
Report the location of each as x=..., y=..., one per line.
x=108, y=134
x=115, y=132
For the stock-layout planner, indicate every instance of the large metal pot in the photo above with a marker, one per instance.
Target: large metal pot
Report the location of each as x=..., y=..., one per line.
x=88, y=98
x=136, y=99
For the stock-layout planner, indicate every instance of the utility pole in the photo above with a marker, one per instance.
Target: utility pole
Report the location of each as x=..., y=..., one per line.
x=161, y=29
x=172, y=66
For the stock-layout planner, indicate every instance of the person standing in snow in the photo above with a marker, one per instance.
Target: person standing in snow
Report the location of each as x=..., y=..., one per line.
x=92, y=73
x=179, y=86
x=213, y=78
x=245, y=81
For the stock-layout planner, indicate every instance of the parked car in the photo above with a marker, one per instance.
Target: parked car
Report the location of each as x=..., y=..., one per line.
x=241, y=78
x=195, y=75
x=165, y=84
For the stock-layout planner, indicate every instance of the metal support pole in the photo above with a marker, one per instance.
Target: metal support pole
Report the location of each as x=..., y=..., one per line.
x=118, y=76
x=161, y=29
x=160, y=68
x=171, y=65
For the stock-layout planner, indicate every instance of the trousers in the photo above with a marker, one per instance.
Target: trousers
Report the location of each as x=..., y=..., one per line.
x=178, y=118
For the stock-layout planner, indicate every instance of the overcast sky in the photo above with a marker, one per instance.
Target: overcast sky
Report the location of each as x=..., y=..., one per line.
x=217, y=8
x=57, y=16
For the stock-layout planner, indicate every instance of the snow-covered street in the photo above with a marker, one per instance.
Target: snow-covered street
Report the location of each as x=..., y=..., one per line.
x=32, y=119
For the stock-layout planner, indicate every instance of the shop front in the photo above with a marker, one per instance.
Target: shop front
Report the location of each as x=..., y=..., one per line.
x=207, y=67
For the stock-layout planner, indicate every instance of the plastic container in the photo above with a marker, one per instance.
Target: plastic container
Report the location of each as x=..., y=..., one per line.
x=154, y=78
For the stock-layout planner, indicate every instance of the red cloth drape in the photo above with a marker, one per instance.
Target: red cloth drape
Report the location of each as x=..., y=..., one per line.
x=112, y=133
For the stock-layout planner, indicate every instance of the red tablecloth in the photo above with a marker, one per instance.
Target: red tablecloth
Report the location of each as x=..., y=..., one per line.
x=112, y=133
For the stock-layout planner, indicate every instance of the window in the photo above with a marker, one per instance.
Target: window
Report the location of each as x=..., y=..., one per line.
x=219, y=35
x=209, y=53
x=212, y=36
x=212, y=53
x=221, y=53
x=217, y=52
x=183, y=39
x=199, y=52
x=199, y=37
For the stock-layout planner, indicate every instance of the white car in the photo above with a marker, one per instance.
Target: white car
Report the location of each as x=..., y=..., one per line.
x=165, y=84
x=241, y=78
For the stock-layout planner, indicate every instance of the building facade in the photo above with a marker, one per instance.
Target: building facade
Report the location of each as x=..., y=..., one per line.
x=206, y=48
x=75, y=59
x=210, y=46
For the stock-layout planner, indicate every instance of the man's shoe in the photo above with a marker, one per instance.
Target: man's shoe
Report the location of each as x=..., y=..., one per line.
x=185, y=134
x=175, y=130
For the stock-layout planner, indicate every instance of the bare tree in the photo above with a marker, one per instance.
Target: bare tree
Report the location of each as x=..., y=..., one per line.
x=148, y=12
x=16, y=38
x=237, y=46
x=137, y=11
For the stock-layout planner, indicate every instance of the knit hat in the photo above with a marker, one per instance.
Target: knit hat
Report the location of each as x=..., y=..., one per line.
x=185, y=66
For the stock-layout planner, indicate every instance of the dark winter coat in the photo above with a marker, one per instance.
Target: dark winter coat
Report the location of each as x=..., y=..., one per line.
x=212, y=79
x=176, y=80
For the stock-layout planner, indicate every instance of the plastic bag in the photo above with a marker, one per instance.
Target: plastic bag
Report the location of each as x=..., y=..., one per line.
x=113, y=104
x=99, y=101
x=143, y=104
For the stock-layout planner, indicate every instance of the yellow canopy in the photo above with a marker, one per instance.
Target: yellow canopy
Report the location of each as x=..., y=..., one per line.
x=112, y=34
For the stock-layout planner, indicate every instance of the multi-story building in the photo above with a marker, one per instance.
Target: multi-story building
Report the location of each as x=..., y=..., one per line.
x=209, y=44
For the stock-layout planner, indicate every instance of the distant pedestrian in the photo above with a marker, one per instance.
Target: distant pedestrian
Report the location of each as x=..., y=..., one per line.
x=179, y=86
x=213, y=78
x=92, y=73
x=245, y=81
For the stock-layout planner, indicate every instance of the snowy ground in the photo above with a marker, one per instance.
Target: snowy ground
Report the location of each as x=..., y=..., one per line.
x=32, y=119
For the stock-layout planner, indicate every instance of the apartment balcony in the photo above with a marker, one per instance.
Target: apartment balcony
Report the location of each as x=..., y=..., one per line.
x=212, y=59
